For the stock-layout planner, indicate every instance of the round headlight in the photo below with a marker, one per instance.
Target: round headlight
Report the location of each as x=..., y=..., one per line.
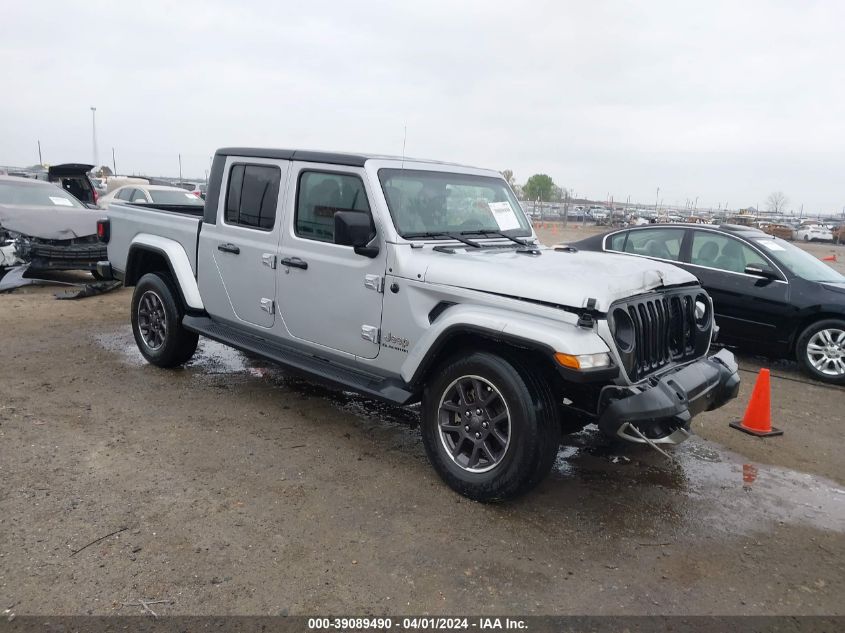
x=623, y=330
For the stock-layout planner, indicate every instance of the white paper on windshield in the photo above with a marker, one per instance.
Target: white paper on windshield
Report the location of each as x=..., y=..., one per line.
x=504, y=214
x=62, y=202
x=772, y=246
x=190, y=196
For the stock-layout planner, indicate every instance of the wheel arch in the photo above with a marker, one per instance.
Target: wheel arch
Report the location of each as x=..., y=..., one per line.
x=805, y=321
x=151, y=253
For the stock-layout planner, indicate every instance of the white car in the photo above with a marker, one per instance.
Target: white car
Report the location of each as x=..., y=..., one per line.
x=151, y=194
x=813, y=232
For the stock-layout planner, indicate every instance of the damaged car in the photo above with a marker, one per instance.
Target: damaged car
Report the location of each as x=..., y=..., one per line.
x=45, y=227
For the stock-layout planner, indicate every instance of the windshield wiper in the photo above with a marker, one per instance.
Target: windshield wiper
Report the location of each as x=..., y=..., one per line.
x=451, y=236
x=519, y=241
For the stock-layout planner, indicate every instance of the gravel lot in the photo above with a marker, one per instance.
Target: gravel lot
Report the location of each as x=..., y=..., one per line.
x=240, y=489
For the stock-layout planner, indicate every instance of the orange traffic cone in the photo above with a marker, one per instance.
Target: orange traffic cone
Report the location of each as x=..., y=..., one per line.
x=829, y=258
x=758, y=415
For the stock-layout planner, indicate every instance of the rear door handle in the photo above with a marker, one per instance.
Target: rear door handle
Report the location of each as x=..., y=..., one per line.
x=294, y=262
x=229, y=248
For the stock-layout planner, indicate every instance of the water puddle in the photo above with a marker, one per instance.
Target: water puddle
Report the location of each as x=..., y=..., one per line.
x=705, y=486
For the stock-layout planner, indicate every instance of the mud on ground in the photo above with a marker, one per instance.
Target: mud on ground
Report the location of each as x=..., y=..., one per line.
x=243, y=490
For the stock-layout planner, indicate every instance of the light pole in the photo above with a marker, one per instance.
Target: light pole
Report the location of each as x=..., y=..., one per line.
x=94, y=135
x=656, y=198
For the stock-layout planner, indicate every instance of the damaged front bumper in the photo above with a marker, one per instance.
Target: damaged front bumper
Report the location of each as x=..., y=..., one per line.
x=660, y=411
x=75, y=254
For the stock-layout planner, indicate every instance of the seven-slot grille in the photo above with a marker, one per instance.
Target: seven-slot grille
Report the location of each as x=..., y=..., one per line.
x=657, y=330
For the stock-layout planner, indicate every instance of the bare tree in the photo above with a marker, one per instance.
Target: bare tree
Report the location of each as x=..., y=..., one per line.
x=508, y=176
x=776, y=202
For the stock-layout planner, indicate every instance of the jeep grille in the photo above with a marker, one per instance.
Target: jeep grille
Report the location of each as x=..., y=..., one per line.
x=660, y=329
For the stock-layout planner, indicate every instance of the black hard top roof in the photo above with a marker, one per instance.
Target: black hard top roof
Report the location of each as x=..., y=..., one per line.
x=311, y=156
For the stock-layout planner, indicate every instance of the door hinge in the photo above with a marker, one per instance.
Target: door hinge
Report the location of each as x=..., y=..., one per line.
x=374, y=282
x=370, y=333
x=269, y=259
x=267, y=305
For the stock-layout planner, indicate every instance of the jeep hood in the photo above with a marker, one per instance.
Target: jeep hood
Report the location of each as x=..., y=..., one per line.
x=559, y=277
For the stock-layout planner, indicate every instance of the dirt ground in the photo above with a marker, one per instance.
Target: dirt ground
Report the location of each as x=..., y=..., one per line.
x=240, y=489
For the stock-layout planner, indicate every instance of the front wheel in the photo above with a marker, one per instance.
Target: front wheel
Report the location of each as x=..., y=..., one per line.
x=821, y=351
x=489, y=427
x=157, y=322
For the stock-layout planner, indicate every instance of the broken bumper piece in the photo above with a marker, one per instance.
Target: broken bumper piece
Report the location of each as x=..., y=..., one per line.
x=660, y=412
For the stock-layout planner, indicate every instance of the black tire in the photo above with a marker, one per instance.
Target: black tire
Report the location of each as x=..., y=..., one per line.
x=533, y=428
x=813, y=335
x=162, y=341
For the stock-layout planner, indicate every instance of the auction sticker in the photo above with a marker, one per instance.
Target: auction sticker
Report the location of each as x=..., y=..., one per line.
x=62, y=202
x=504, y=214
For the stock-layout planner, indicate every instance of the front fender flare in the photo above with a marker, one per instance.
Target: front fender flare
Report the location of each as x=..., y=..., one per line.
x=532, y=332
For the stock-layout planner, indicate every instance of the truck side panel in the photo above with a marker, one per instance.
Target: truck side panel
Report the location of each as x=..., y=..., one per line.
x=128, y=221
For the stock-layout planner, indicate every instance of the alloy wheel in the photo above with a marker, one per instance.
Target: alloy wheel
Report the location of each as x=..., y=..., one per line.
x=152, y=320
x=474, y=424
x=826, y=352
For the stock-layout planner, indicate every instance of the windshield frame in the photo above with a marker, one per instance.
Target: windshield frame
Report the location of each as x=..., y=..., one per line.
x=525, y=230
x=785, y=264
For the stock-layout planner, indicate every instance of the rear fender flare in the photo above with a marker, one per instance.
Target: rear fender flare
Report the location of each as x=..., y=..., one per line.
x=177, y=259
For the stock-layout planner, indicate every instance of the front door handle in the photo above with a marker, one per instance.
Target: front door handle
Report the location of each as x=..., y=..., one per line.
x=229, y=248
x=294, y=262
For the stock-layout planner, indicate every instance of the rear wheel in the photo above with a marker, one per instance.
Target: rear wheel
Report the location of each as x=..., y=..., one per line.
x=489, y=427
x=157, y=322
x=821, y=351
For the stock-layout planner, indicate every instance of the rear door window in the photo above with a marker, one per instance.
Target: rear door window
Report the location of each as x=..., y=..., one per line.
x=253, y=195
x=658, y=243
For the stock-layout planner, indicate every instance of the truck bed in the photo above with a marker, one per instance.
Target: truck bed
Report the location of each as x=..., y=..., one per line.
x=178, y=223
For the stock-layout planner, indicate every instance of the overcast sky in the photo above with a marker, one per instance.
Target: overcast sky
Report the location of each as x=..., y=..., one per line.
x=727, y=101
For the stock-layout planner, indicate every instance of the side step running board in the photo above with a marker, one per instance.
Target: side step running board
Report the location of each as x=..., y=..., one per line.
x=389, y=389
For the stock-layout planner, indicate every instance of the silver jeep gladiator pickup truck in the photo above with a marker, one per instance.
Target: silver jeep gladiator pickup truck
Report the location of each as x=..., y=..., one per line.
x=418, y=281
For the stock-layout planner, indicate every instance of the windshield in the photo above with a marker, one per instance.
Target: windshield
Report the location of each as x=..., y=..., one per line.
x=799, y=262
x=31, y=194
x=169, y=196
x=440, y=202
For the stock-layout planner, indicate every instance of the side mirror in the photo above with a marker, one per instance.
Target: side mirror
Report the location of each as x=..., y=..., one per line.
x=760, y=270
x=354, y=228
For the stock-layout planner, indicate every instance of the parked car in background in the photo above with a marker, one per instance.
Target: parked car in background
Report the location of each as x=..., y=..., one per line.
x=47, y=227
x=115, y=182
x=813, y=233
x=73, y=178
x=196, y=188
x=100, y=185
x=768, y=294
x=151, y=194
x=783, y=231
